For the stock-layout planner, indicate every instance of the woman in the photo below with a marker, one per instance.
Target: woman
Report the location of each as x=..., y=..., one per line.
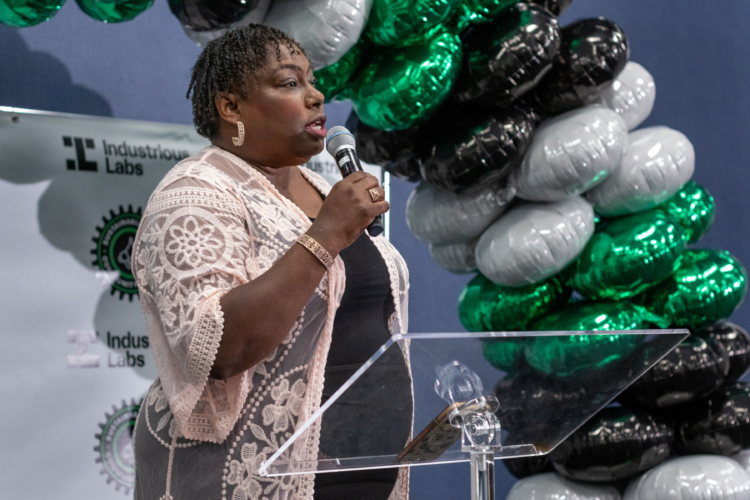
x=257, y=284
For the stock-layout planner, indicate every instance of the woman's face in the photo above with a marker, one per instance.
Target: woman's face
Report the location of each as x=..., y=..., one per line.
x=283, y=113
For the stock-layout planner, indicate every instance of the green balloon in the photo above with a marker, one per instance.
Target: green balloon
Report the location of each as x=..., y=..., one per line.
x=333, y=80
x=398, y=23
x=708, y=286
x=629, y=255
x=484, y=306
x=567, y=355
x=114, y=11
x=401, y=88
x=505, y=354
x=693, y=208
x=480, y=11
x=25, y=13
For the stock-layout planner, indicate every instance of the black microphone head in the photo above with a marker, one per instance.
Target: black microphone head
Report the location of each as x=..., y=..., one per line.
x=339, y=137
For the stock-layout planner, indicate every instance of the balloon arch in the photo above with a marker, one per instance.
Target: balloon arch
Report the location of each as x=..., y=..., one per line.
x=571, y=216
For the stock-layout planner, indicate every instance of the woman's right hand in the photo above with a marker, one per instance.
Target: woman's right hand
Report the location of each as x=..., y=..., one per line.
x=347, y=211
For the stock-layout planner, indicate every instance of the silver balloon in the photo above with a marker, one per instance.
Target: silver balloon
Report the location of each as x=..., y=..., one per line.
x=658, y=162
x=694, y=477
x=631, y=95
x=743, y=458
x=326, y=29
x=458, y=258
x=255, y=16
x=550, y=486
x=441, y=217
x=534, y=241
x=570, y=154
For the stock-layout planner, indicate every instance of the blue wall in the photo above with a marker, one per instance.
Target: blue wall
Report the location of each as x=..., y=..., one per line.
x=140, y=70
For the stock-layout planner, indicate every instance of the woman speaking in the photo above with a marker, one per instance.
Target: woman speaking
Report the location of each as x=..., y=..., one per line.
x=261, y=291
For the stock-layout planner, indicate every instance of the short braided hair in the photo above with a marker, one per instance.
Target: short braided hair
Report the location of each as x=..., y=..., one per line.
x=225, y=65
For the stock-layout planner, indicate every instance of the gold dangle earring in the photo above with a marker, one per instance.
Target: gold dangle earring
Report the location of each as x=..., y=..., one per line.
x=240, y=134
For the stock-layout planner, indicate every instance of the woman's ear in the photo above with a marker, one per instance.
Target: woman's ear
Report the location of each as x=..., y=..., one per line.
x=227, y=104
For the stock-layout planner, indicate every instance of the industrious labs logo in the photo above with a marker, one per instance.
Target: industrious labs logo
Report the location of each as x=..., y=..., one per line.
x=114, y=450
x=114, y=247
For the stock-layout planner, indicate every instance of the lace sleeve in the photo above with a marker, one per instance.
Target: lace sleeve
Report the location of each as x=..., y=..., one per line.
x=192, y=247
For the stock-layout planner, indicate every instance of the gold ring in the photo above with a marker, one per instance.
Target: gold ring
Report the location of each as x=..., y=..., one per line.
x=374, y=194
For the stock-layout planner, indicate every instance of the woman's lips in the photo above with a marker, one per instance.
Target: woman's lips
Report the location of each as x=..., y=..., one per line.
x=317, y=128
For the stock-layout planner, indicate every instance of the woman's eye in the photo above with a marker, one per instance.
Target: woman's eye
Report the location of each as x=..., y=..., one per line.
x=290, y=84
x=314, y=82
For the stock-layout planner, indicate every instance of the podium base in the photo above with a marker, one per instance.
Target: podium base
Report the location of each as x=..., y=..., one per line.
x=482, y=475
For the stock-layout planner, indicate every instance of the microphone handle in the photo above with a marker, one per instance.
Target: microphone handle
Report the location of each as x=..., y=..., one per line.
x=348, y=163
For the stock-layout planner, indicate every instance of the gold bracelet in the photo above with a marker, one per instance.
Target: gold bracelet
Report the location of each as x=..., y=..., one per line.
x=316, y=249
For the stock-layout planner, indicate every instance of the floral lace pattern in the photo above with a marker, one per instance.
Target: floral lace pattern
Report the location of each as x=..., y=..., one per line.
x=212, y=224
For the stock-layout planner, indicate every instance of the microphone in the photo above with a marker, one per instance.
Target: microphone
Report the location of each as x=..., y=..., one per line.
x=340, y=144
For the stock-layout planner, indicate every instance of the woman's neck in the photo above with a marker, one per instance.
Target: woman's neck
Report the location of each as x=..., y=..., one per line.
x=280, y=177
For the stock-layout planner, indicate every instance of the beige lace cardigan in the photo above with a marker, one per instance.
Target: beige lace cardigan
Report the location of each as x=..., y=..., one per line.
x=214, y=223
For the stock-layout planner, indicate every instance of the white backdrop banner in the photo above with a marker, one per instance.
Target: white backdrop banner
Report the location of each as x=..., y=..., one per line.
x=76, y=359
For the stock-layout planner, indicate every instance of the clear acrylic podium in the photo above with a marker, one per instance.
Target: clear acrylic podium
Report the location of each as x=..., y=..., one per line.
x=472, y=397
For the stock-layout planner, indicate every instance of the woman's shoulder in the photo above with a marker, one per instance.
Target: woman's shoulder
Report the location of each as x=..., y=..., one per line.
x=205, y=165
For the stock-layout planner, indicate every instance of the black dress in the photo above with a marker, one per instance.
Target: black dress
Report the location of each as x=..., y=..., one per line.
x=380, y=402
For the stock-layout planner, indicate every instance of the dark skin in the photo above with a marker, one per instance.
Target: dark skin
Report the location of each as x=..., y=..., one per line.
x=276, y=114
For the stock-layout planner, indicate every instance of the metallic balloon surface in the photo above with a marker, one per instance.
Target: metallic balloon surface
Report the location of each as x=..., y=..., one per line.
x=528, y=466
x=658, y=162
x=692, y=370
x=401, y=88
x=505, y=354
x=631, y=95
x=697, y=477
x=719, y=425
x=336, y=78
x=550, y=486
x=571, y=154
x=25, y=13
x=566, y=356
x=708, y=286
x=629, y=255
x=398, y=152
x=485, y=306
x=616, y=443
x=481, y=11
x=477, y=150
x=205, y=15
x=532, y=242
x=592, y=55
x=736, y=341
x=743, y=458
x=326, y=29
x=505, y=59
x=114, y=11
x=693, y=208
x=254, y=16
x=442, y=217
x=458, y=258
x=398, y=23
x=555, y=6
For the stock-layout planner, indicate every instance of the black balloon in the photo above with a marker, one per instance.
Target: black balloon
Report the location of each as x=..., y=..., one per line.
x=398, y=152
x=528, y=466
x=617, y=443
x=526, y=396
x=507, y=58
x=471, y=149
x=593, y=53
x=554, y=6
x=736, y=341
x=719, y=425
x=692, y=370
x=208, y=15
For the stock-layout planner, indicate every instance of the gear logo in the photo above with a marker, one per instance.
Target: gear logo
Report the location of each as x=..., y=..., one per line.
x=114, y=246
x=115, y=450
